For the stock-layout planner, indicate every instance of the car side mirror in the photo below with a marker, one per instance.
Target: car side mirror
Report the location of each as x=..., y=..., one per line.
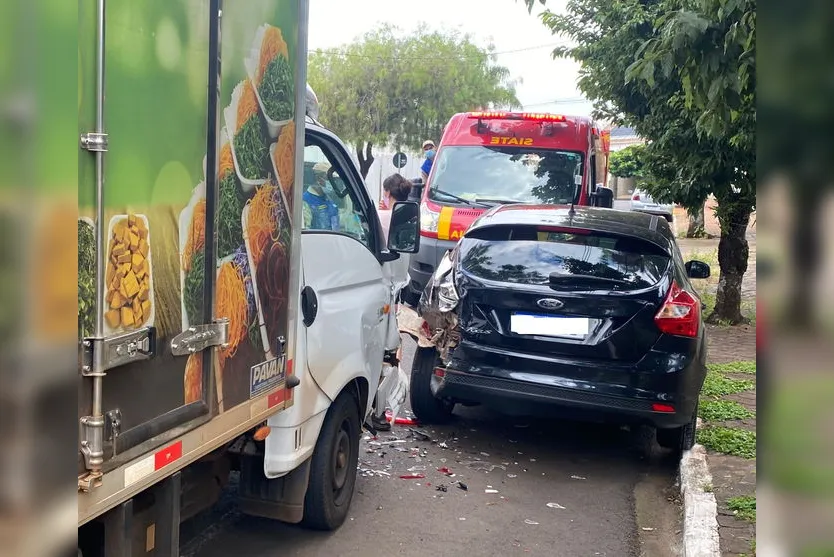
x=404, y=231
x=697, y=269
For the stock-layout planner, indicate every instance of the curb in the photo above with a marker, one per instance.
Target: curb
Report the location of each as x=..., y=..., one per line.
x=700, y=523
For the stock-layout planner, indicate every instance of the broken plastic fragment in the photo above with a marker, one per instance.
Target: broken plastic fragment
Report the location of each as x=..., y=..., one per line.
x=530, y=522
x=412, y=476
x=463, y=486
x=490, y=491
x=442, y=488
x=445, y=470
x=555, y=506
x=578, y=478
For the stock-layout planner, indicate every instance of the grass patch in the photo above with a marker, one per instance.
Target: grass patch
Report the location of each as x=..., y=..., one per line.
x=722, y=411
x=744, y=507
x=716, y=384
x=729, y=440
x=708, y=488
x=747, y=367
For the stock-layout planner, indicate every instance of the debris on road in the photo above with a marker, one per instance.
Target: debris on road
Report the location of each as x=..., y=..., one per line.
x=413, y=477
x=530, y=522
x=555, y=506
x=417, y=469
x=445, y=471
x=463, y=486
x=421, y=435
x=512, y=476
x=578, y=478
x=443, y=488
x=490, y=491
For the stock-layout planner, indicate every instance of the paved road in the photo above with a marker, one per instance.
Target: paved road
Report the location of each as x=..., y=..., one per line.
x=615, y=503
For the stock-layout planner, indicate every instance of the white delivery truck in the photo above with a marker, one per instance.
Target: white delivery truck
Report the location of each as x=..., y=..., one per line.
x=236, y=306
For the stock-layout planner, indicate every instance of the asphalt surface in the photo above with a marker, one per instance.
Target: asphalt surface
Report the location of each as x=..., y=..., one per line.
x=534, y=487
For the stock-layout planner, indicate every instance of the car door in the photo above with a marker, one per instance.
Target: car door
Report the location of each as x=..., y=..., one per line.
x=345, y=294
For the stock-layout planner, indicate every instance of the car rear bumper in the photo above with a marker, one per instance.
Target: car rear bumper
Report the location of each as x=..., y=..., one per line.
x=422, y=264
x=533, y=384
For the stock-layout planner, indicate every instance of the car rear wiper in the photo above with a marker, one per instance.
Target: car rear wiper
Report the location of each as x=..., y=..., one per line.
x=457, y=198
x=556, y=278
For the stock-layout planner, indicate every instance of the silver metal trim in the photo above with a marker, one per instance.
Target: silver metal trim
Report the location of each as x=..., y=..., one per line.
x=94, y=142
x=199, y=337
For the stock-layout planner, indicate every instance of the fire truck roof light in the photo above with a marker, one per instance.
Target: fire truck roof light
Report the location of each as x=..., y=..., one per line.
x=530, y=116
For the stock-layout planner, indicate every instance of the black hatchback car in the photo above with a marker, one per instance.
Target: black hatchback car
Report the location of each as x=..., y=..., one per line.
x=543, y=307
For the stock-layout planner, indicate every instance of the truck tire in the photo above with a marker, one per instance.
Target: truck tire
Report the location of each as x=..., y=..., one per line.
x=428, y=408
x=333, y=467
x=679, y=439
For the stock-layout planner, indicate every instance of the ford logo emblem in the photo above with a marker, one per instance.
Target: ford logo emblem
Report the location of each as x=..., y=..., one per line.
x=549, y=303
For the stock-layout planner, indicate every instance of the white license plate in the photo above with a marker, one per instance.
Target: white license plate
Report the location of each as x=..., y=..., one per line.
x=548, y=325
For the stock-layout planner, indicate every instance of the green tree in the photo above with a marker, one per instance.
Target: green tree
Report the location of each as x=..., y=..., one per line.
x=680, y=73
x=389, y=88
x=627, y=162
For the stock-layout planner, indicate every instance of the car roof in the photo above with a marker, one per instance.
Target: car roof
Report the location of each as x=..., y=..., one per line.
x=627, y=223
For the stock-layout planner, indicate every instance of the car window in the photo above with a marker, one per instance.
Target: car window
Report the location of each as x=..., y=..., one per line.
x=567, y=261
x=328, y=203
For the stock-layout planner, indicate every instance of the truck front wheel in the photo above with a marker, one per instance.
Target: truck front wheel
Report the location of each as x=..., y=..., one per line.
x=333, y=466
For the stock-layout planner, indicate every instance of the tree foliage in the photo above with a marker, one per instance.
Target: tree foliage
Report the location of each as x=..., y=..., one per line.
x=627, y=162
x=390, y=88
x=682, y=74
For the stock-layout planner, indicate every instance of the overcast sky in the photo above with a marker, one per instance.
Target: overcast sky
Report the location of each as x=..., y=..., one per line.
x=548, y=85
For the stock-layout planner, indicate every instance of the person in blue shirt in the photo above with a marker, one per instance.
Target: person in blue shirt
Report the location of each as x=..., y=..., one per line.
x=319, y=211
x=429, y=151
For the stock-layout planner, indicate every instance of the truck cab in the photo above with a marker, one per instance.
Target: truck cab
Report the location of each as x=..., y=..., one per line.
x=495, y=158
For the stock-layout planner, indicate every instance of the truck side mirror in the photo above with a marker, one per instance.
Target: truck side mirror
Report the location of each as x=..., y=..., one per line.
x=603, y=197
x=404, y=231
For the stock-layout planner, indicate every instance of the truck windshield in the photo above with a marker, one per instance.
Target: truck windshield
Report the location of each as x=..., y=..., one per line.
x=493, y=175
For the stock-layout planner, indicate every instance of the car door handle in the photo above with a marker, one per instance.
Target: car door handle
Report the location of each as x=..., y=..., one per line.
x=309, y=305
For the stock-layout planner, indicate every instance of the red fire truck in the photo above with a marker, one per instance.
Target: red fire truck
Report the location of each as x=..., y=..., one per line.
x=495, y=158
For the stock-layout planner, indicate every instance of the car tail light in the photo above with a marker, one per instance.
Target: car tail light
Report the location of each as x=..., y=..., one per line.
x=428, y=221
x=658, y=407
x=680, y=314
x=635, y=197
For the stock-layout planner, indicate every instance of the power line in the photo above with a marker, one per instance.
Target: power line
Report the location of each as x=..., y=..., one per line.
x=571, y=100
x=336, y=52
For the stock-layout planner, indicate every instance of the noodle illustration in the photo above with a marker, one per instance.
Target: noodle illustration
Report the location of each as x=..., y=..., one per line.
x=247, y=106
x=227, y=163
x=196, y=234
x=193, y=379
x=284, y=157
x=231, y=302
x=273, y=44
x=272, y=287
x=264, y=211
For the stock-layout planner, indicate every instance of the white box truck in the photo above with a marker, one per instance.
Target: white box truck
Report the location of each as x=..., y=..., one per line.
x=236, y=305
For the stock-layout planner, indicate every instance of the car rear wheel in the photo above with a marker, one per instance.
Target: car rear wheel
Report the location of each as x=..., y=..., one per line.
x=333, y=469
x=679, y=438
x=427, y=407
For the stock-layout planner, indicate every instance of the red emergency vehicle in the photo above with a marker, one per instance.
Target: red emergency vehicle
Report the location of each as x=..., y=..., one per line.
x=489, y=158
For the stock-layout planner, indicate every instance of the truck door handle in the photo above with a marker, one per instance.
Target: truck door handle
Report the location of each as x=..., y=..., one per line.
x=309, y=305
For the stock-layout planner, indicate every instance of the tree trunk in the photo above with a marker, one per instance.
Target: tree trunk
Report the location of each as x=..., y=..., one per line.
x=696, y=227
x=733, y=252
x=366, y=158
x=805, y=257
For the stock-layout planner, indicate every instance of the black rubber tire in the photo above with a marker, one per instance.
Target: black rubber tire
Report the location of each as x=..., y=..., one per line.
x=679, y=438
x=333, y=467
x=428, y=408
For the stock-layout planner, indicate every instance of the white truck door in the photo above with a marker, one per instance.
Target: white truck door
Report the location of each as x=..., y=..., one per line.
x=346, y=297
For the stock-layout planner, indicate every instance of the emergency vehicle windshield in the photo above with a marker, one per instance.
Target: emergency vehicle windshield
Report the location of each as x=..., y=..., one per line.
x=490, y=175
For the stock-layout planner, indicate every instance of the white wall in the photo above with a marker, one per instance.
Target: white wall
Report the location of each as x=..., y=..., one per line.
x=384, y=166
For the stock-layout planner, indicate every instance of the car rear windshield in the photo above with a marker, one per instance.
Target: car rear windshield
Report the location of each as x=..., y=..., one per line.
x=565, y=260
x=492, y=175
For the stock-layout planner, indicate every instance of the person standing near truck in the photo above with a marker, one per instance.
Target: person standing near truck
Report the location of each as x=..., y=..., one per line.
x=320, y=212
x=429, y=151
